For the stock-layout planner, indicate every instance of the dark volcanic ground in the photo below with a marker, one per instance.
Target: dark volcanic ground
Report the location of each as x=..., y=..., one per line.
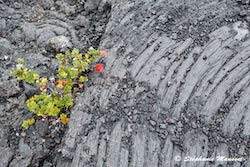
x=176, y=82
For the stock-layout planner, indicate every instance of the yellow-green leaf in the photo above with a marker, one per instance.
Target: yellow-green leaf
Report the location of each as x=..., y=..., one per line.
x=83, y=79
x=27, y=123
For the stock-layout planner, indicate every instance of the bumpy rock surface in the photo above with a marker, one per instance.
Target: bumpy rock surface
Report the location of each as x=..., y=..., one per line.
x=60, y=43
x=9, y=88
x=176, y=83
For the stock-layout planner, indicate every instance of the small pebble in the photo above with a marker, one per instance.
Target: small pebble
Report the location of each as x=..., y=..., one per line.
x=23, y=134
x=152, y=122
x=163, y=126
x=130, y=127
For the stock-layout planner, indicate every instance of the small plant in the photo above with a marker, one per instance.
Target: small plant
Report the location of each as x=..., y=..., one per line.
x=27, y=123
x=57, y=93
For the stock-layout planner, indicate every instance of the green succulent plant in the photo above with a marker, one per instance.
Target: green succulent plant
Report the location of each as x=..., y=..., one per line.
x=57, y=95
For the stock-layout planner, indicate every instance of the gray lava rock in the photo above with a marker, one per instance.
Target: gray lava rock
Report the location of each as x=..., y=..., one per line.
x=66, y=8
x=44, y=36
x=37, y=13
x=9, y=88
x=47, y=164
x=3, y=131
x=29, y=31
x=24, y=149
x=19, y=161
x=25, y=155
x=5, y=156
x=2, y=24
x=82, y=21
x=36, y=59
x=30, y=90
x=54, y=64
x=42, y=127
x=163, y=126
x=152, y=122
x=46, y=4
x=174, y=36
x=91, y=5
x=59, y=43
x=16, y=35
x=17, y=5
x=5, y=47
x=59, y=30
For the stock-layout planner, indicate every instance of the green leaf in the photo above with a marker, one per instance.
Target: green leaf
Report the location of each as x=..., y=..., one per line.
x=62, y=73
x=68, y=100
x=76, y=63
x=54, y=112
x=32, y=105
x=85, y=66
x=63, y=115
x=83, y=79
x=60, y=57
x=74, y=53
x=67, y=89
x=31, y=121
x=25, y=74
x=20, y=60
x=27, y=123
x=73, y=72
x=68, y=53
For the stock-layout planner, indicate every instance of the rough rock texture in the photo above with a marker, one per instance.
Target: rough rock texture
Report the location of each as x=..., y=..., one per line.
x=59, y=43
x=174, y=87
x=176, y=84
x=9, y=88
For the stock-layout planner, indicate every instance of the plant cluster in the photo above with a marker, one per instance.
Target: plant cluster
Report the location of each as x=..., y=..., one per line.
x=57, y=93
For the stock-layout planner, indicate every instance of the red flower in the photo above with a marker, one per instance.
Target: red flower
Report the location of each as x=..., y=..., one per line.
x=99, y=68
